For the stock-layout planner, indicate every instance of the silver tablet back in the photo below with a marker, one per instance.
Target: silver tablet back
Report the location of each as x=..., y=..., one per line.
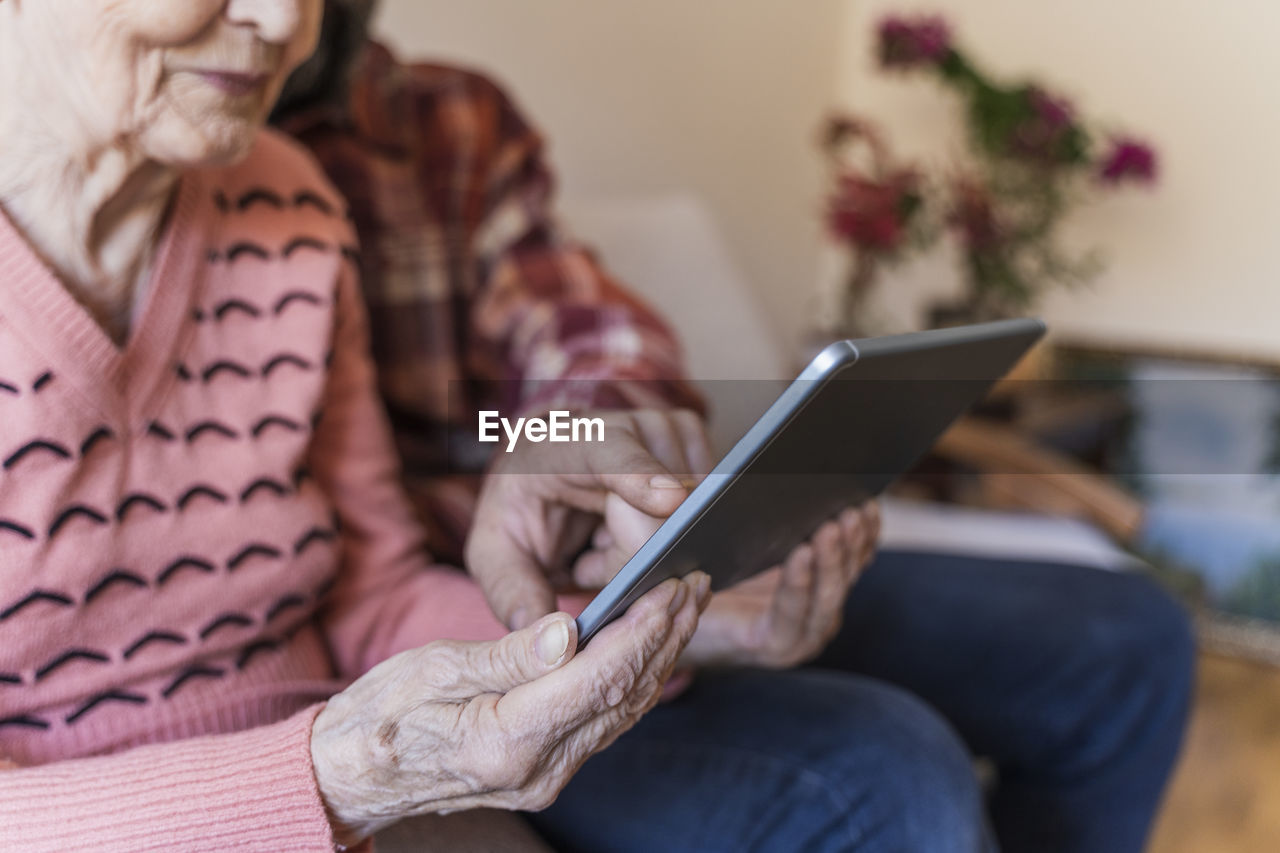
x=861, y=414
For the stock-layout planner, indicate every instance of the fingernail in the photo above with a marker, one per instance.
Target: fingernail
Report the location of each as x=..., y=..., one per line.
x=552, y=642
x=662, y=481
x=678, y=600
x=519, y=619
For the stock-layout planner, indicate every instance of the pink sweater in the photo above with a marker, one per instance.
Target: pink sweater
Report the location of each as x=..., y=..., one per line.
x=202, y=536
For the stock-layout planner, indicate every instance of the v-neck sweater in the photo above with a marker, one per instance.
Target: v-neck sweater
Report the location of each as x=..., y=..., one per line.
x=202, y=535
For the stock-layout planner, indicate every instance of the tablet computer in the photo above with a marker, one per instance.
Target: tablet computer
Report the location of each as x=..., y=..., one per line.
x=861, y=414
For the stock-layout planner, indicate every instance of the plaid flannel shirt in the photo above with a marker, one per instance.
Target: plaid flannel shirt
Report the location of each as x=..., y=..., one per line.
x=476, y=299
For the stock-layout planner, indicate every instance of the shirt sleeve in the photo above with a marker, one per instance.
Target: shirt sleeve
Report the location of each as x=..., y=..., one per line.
x=252, y=790
x=546, y=317
x=389, y=597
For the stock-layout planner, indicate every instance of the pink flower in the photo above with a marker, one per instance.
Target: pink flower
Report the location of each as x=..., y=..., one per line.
x=1128, y=160
x=870, y=214
x=910, y=42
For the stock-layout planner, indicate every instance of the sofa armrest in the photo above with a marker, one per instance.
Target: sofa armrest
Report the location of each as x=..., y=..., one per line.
x=1017, y=473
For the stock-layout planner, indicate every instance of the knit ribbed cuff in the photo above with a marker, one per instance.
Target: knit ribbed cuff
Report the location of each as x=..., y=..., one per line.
x=253, y=790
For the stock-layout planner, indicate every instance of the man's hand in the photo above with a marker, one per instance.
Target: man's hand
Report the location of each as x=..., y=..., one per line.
x=788, y=614
x=778, y=619
x=543, y=504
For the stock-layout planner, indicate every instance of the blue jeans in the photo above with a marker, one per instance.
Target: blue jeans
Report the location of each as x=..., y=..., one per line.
x=1074, y=683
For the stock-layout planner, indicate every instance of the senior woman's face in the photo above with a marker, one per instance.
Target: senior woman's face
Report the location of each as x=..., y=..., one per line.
x=182, y=81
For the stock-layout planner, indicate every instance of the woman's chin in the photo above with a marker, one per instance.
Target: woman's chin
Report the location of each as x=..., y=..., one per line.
x=216, y=143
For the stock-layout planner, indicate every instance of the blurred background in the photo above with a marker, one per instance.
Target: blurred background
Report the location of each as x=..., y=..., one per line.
x=693, y=141
x=723, y=99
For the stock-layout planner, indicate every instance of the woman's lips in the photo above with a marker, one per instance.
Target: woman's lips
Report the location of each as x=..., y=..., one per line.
x=234, y=84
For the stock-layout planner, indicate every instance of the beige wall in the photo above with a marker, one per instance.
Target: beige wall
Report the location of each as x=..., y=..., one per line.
x=721, y=97
x=718, y=97
x=1197, y=262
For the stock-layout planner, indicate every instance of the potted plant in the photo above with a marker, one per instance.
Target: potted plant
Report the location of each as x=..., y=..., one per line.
x=1031, y=158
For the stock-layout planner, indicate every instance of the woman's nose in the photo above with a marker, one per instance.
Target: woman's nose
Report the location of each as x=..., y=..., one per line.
x=276, y=21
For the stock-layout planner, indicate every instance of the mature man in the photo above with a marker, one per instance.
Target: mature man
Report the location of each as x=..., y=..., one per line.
x=1074, y=683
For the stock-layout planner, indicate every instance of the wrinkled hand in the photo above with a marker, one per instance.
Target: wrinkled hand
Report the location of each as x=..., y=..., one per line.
x=455, y=726
x=788, y=614
x=542, y=504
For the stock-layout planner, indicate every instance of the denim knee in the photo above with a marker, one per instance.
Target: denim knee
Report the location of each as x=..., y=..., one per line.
x=1136, y=661
x=918, y=792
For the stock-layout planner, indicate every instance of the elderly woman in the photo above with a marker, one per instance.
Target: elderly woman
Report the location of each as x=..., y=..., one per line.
x=201, y=539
